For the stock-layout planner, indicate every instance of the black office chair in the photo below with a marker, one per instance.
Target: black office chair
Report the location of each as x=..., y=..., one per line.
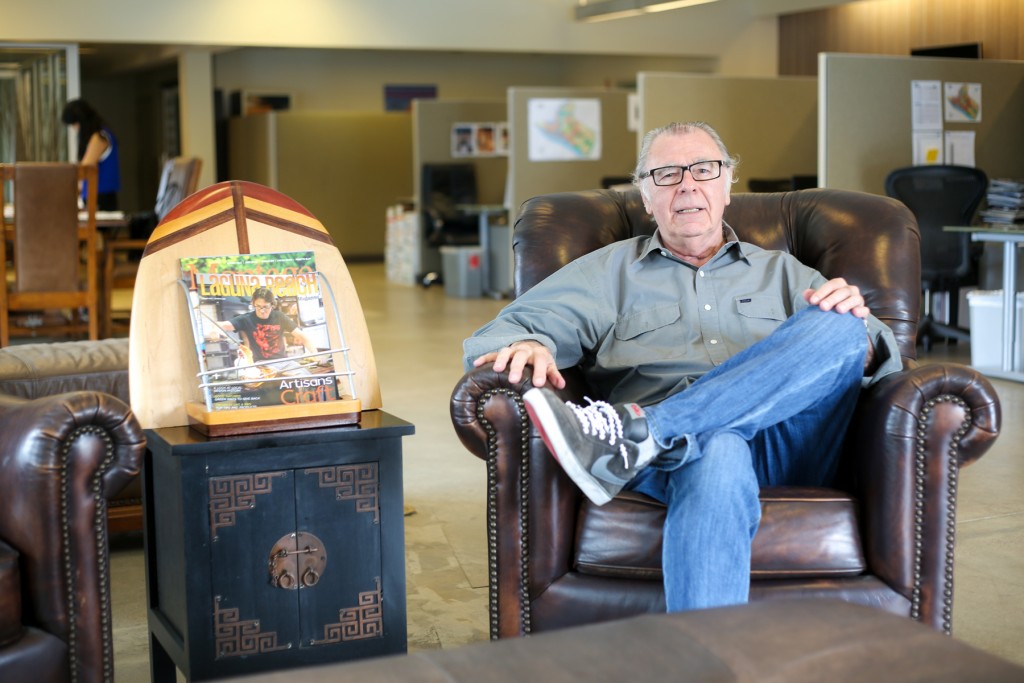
x=769, y=185
x=443, y=188
x=939, y=196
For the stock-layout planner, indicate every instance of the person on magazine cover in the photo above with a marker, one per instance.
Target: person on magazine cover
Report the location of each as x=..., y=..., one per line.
x=264, y=328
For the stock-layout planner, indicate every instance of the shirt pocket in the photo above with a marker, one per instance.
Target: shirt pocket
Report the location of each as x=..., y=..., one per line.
x=759, y=315
x=638, y=322
x=644, y=335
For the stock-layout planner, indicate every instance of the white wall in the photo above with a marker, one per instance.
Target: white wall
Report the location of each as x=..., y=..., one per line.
x=717, y=30
x=353, y=80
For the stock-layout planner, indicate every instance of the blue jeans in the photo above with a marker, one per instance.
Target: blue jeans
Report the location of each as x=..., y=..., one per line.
x=774, y=414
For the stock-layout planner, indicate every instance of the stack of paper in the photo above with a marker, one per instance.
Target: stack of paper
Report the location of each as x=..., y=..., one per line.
x=1005, y=202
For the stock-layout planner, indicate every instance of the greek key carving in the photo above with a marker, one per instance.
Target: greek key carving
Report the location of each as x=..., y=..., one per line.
x=235, y=637
x=230, y=495
x=360, y=483
x=365, y=620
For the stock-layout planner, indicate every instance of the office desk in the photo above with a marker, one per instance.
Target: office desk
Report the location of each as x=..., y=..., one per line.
x=1010, y=238
x=485, y=213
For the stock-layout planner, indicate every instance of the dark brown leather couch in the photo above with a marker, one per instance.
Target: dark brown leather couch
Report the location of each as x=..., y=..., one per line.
x=820, y=641
x=36, y=370
x=883, y=537
x=62, y=458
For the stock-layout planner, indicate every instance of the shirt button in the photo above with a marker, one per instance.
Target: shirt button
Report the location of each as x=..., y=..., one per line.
x=714, y=341
x=707, y=307
x=701, y=273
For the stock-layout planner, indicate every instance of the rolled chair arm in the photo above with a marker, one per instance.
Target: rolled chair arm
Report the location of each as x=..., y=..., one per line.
x=528, y=496
x=61, y=458
x=487, y=410
x=911, y=434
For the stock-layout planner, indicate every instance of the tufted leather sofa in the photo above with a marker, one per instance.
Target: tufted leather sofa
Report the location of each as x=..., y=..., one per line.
x=62, y=458
x=824, y=640
x=883, y=537
x=35, y=370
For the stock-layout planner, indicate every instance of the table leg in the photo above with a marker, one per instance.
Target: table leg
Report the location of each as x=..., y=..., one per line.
x=1009, y=305
x=485, y=254
x=161, y=666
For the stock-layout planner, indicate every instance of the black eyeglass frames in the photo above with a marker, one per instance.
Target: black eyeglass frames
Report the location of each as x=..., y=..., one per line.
x=673, y=175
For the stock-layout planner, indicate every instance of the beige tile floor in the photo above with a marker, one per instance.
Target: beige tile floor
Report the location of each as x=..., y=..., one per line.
x=417, y=336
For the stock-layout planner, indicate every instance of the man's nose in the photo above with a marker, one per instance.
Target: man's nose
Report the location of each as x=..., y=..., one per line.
x=688, y=183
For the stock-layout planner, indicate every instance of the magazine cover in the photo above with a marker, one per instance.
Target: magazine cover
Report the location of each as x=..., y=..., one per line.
x=260, y=330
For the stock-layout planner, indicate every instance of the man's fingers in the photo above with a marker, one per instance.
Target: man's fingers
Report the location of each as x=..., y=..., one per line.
x=516, y=357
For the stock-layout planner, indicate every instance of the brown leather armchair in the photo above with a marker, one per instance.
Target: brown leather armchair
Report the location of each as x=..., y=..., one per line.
x=62, y=458
x=883, y=537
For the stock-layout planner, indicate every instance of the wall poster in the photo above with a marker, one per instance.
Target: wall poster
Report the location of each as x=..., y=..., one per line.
x=564, y=129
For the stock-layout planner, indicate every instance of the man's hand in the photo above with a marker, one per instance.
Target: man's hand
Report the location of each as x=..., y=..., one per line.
x=838, y=295
x=520, y=354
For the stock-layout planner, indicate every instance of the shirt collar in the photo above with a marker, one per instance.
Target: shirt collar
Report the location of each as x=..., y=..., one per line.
x=732, y=242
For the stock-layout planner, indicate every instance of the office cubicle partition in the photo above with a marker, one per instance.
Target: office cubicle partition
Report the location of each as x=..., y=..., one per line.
x=866, y=116
x=770, y=123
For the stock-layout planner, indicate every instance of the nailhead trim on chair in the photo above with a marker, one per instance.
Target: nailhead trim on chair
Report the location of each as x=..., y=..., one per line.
x=919, y=477
x=919, y=503
x=492, y=509
x=100, y=527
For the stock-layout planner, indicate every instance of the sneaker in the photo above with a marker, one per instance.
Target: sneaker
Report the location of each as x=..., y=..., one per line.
x=596, y=445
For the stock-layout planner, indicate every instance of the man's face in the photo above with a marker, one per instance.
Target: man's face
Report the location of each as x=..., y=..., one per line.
x=691, y=209
x=263, y=308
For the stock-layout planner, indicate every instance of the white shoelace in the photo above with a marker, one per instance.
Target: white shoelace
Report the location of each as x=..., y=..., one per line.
x=600, y=419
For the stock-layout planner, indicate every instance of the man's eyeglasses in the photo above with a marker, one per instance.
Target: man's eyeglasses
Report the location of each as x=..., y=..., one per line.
x=264, y=307
x=673, y=175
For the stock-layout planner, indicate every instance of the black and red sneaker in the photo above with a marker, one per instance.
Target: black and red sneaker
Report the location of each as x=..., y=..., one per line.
x=595, y=444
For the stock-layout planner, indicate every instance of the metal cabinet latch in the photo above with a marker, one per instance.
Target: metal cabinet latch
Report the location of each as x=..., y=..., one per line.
x=297, y=560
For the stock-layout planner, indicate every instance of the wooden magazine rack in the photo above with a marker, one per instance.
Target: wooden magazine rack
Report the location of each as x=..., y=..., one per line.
x=237, y=217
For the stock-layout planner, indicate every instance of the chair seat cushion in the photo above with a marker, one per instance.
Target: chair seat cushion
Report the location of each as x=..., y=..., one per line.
x=804, y=532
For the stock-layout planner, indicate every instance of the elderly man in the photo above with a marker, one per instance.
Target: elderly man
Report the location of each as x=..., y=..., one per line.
x=726, y=367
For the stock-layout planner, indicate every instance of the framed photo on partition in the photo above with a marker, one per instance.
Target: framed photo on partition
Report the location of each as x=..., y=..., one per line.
x=463, y=139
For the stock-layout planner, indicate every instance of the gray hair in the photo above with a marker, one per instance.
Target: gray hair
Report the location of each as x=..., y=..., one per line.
x=681, y=128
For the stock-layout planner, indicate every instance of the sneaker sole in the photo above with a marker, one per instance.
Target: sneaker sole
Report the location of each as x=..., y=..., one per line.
x=539, y=411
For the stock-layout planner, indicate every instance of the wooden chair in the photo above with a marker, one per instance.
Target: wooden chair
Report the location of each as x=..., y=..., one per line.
x=179, y=179
x=50, y=274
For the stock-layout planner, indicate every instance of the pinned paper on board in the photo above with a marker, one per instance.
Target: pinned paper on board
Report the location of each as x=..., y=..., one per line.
x=926, y=103
x=564, y=129
x=962, y=102
x=959, y=148
x=928, y=148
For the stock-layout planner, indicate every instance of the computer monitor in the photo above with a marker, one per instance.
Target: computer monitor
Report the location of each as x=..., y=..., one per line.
x=962, y=51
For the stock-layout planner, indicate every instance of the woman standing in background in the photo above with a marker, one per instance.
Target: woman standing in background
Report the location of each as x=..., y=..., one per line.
x=97, y=146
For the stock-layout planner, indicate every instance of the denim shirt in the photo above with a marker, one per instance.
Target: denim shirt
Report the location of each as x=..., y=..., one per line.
x=644, y=324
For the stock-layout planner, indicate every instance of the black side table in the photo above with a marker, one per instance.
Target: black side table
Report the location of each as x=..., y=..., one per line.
x=274, y=550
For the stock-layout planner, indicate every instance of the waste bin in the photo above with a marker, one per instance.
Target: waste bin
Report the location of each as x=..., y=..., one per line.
x=986, y=309
x=460, y=267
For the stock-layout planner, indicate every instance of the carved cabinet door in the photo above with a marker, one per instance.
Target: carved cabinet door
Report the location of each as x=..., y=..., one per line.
x=295, y=558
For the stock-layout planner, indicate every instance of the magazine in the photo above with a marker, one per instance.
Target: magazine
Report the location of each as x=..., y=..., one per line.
x=260, y=330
